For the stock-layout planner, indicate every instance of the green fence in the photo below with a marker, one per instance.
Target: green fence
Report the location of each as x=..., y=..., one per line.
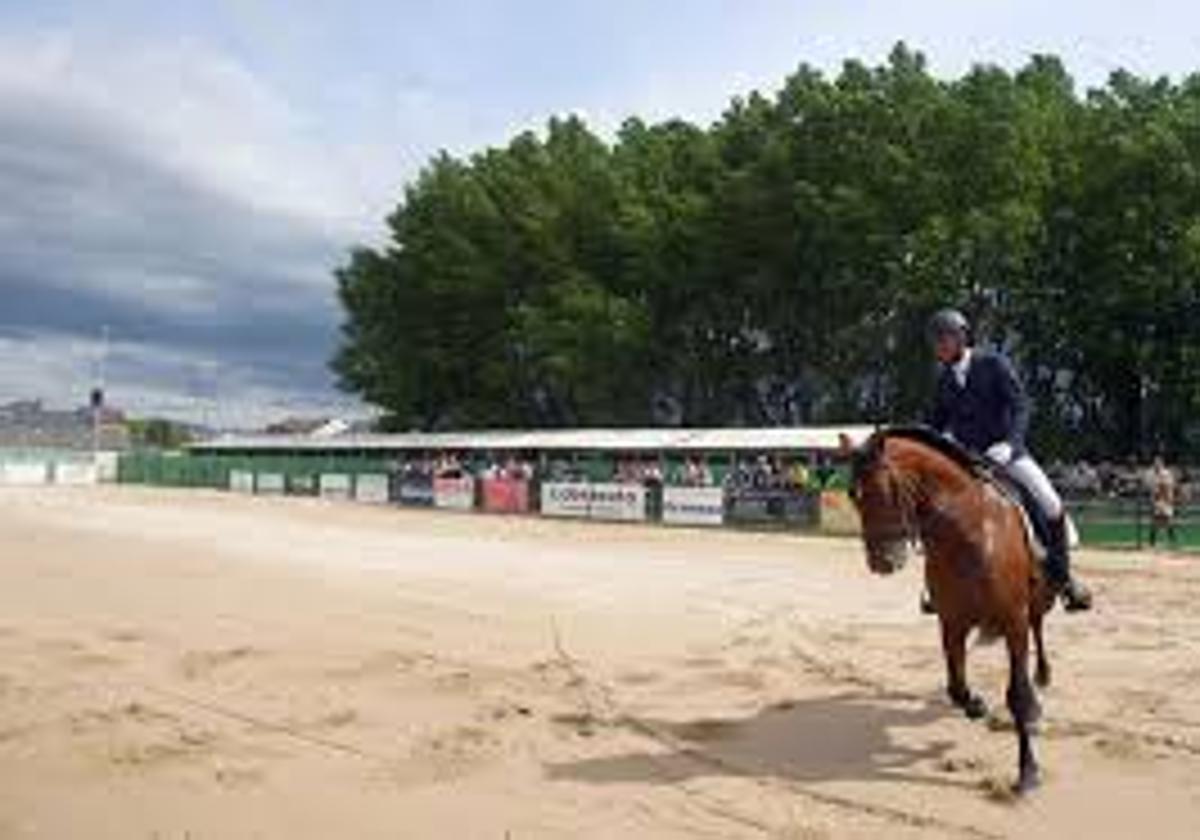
x=1126, y=523
x=174, y=469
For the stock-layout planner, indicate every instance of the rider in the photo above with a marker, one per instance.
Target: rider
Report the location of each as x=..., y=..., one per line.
x=981, y=404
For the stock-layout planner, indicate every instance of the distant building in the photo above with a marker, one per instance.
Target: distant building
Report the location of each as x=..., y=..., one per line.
x=297, y=426
x=28, y=424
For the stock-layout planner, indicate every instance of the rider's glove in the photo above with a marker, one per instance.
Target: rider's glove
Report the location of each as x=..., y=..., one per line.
x=1000, y=453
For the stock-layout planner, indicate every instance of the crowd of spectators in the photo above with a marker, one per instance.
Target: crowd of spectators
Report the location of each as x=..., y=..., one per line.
x=776, y=473
x=511, y=468
x=634, y=470
x=696, y=473
x=1084, y=480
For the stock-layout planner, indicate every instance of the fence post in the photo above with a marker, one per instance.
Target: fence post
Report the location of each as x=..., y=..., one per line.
x=1137, y=521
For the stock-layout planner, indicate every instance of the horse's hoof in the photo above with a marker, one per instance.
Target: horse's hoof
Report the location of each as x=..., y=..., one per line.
x=1042, y=678
x=1029, y=781
x=975, y=708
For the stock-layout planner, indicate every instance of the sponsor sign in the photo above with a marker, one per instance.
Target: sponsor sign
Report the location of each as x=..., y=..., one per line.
x=106, y=467
x=371, y=489
x=299, y=484
x=773, y=505
x=75, y=474
x=335, y=486
x=693, y=505
x=620, y=502
x=415, y=490
x=454, y=493
x=269, y=484
x=241, y=481
x=565, y=499
x=505, y=495
x=24, y=474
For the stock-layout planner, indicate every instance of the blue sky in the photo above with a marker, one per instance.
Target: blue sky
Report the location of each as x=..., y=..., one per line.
x=190, y=173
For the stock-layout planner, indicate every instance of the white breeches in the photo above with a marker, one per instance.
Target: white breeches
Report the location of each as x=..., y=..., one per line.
x=1030, y=475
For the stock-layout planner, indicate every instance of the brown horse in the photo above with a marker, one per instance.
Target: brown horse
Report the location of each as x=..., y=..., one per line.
x=911, y=485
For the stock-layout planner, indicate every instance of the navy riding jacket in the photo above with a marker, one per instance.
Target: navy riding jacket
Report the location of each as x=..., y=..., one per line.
x=991, y=408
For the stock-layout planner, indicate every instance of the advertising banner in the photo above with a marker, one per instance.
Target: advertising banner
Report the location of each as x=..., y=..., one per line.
x=412, y=489
x=754, y=505
x=838, y=514
x=106, y=467
x=241, y=481
x=505, y=495
x=75, y=474
x=693, y=505
x=614, y=502
x=773, y=505
x=454, y=493
x=565, y=499
x=617, y=502
x=371, y=489
x=335, y=486
x=24, y=474
x=301, y=484
x=269, y=484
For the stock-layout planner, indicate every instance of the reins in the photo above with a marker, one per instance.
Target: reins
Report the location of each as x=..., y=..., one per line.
x=909, y=495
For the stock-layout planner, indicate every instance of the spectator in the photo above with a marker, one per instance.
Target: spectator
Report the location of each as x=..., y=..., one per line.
x=824, y=473
x=799, y=475
x=1163, y=489
x=651, y=473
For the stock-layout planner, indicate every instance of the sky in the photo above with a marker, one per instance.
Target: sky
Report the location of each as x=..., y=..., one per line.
x=187, y=176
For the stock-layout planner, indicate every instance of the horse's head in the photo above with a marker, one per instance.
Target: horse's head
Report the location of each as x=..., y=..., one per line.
x=884, y=503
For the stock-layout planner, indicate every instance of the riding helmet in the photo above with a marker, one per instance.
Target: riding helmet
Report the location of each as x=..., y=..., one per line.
x=948, y=321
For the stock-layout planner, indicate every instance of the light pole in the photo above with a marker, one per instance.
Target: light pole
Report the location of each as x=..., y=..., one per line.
x=97, y=396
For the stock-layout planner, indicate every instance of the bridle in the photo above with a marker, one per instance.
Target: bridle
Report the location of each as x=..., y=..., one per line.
x=906, y=495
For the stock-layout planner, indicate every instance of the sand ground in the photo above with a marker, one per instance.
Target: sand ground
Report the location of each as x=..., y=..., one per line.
x=200, y=665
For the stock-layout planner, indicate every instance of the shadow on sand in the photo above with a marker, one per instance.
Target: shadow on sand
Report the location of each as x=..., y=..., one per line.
x=845, y=737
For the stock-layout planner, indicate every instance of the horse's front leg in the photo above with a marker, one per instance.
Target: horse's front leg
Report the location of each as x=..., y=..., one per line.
x=954, y=646
x=1023, y=703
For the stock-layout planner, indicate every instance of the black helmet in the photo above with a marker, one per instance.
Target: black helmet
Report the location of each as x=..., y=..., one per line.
x=947, y=321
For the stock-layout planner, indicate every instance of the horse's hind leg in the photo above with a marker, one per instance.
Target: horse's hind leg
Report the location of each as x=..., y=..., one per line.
x=1042, y=675
x=954, y=646
x=1023, y=704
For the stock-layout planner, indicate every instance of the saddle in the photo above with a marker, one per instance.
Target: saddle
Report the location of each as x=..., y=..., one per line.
x=1032, y=517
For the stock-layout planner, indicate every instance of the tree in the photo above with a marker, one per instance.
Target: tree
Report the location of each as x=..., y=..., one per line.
x=778, y=266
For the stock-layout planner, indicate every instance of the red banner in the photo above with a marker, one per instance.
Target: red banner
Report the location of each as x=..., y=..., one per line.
x=505, y=495
x=454, y=493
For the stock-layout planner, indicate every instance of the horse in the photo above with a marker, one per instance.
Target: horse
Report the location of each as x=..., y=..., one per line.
x=912, y=485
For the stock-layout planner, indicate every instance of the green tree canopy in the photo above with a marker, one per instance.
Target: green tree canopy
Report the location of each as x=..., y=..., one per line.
x=778, y=266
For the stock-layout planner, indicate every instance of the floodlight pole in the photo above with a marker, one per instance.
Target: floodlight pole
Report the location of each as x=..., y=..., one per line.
x=97, y=396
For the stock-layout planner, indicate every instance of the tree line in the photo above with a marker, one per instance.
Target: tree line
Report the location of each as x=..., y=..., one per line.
x=778, y=266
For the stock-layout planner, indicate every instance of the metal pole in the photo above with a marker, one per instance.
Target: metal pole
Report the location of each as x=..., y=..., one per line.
x=97, y=397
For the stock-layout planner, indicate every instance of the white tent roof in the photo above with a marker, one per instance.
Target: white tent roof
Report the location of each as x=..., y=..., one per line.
x=810, y=438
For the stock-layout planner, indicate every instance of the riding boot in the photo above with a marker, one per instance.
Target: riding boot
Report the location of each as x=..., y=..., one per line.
x=1075, y=596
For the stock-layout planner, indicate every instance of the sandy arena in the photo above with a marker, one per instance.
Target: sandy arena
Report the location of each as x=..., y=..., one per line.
x=199, y=665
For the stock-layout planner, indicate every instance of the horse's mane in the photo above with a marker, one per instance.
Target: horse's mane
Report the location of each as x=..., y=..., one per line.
x=936, y=441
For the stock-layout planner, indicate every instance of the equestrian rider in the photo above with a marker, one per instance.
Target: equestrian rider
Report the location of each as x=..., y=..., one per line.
x=982, y=405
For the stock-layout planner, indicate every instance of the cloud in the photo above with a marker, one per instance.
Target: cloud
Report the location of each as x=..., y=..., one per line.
x=191, y=174
x=158, y=380
x=160, y=195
